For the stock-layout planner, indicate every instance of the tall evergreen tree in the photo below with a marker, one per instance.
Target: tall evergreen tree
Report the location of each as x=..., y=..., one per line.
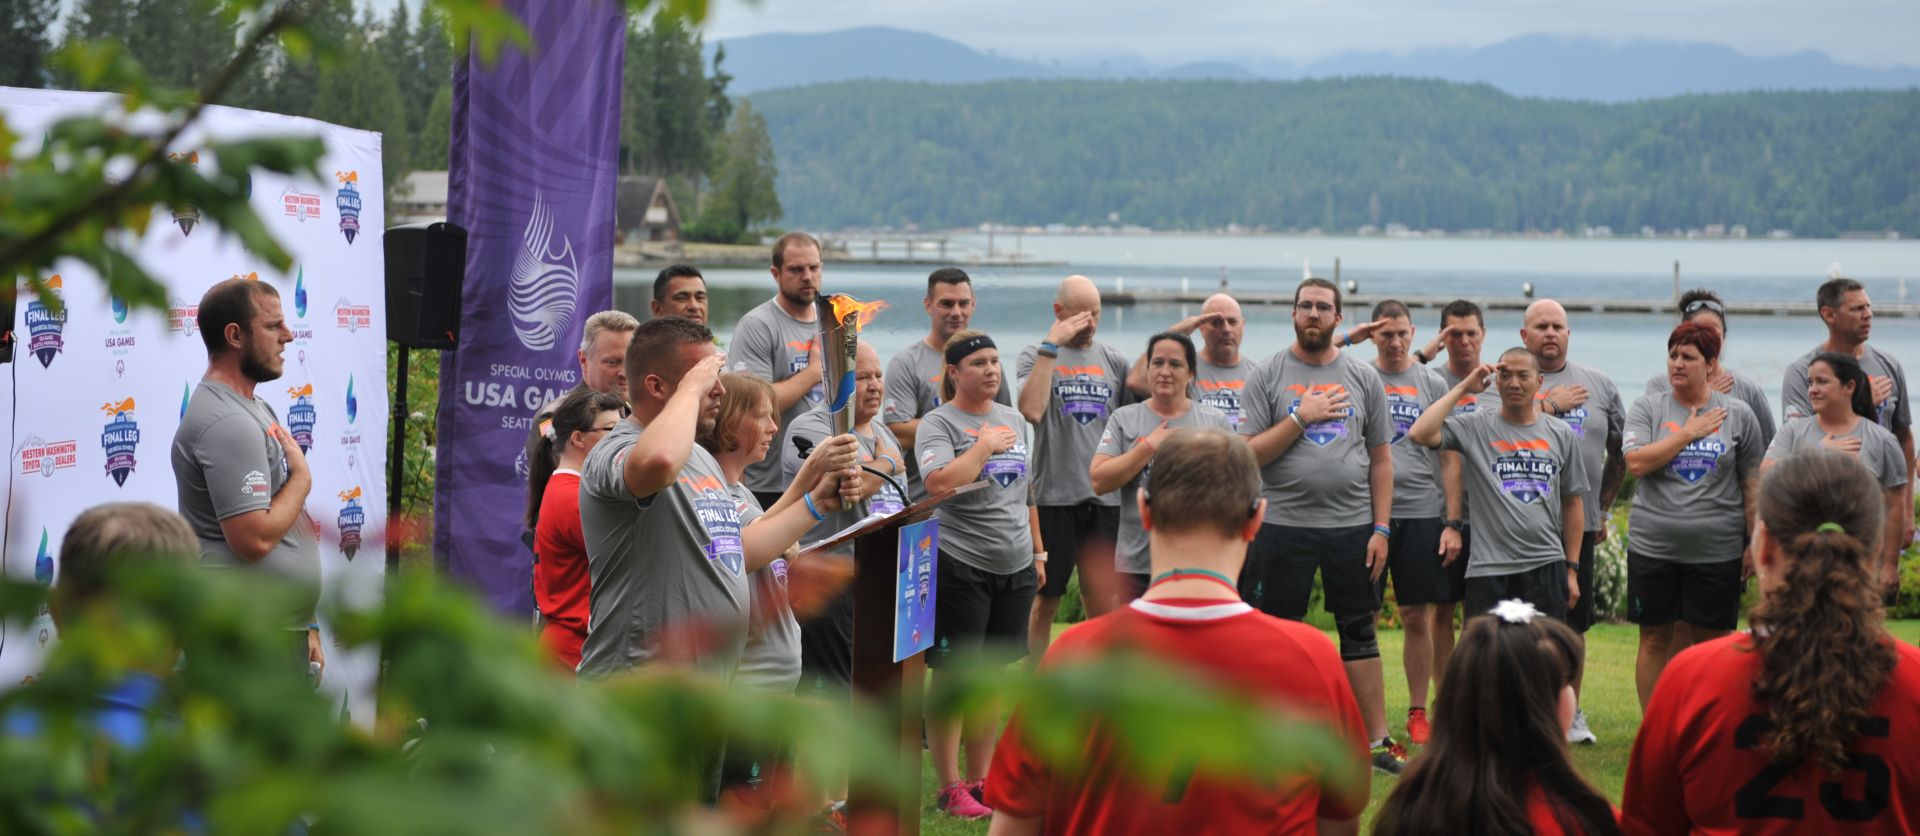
x=742, y=195
x=26, y=37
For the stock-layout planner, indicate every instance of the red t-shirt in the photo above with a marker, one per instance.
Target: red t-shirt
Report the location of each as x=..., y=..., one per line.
x=1234, y=647
x=560, y=581
x=1698, y=767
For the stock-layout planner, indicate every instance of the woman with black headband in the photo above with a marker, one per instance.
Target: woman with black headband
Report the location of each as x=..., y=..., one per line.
x=991, y=565
x=1843, y=420
x=1704, y=306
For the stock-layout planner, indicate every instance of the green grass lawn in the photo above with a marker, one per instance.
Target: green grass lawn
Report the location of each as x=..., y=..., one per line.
x=1613, y=712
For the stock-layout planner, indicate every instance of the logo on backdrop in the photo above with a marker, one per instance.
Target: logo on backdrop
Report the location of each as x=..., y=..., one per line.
x=43, y=562
x=119, y=438
x=301, y=416
x=545, y=283
x=302, y=330
x=44, y=457
x=352, y=518
x=120, y=340
x=186, y=215
x=1525, y=468
x=347, y=200
x=350, y=437
x=46, y=327
x=299, y=205
x=352, y=316
x=183, y=316
x=186, y=395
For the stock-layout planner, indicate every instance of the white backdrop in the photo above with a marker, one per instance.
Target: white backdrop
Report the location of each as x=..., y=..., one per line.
x=92, y=401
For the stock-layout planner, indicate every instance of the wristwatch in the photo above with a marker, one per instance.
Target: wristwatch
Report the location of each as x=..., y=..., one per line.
x=1456, y=525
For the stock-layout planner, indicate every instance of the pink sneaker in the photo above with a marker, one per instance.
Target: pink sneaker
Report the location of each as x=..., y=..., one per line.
x=978, y=789
x=957, y=802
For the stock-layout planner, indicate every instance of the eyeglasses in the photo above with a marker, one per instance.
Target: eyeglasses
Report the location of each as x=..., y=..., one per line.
x=1313, y=307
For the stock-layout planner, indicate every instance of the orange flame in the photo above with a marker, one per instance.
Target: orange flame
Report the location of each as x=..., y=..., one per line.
x=300, y=392
x=349, y=496
x=117, y=408
x=844, y=305
x=54, y=282
x=347, y=176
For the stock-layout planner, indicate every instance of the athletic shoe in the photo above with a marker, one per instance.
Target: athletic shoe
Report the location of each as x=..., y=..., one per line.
x=1389, y=757
x=978, y=789
x=1417, y=726
x=1579, y=733
x=957, y=802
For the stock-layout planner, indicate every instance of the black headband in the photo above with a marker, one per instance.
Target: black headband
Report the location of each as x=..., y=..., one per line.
x=959, y=351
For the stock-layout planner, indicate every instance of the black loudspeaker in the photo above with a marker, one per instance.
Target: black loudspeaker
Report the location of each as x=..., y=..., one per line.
x=426, y=266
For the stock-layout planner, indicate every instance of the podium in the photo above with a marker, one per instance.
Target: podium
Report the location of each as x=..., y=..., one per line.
x=876, y=676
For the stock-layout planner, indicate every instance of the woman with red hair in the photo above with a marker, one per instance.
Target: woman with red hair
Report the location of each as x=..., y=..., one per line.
x=1697, y=454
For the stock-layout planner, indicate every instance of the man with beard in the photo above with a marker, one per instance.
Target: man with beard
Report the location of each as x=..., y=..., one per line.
x=666, y=550
x=1220, y=378
x=776, y=342
x=1318, y=423
x=603, y=357
x=1590, y=405
x=914, y=375
x=1070, y=384
x=1848, y=314
x=242, y=481
x=680, y=290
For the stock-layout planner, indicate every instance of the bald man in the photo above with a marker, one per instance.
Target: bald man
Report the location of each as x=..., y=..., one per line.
x=1221, y=377
x=1070, y=384
x=1589, y=403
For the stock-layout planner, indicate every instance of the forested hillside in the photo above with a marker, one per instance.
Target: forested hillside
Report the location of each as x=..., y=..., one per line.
x=1339, y=154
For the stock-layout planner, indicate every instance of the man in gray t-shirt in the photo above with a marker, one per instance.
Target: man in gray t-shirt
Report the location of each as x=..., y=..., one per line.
x=241, y=480
x=1526, y=479
x=1220, y=376
x=777, y=342
x=1321, y=480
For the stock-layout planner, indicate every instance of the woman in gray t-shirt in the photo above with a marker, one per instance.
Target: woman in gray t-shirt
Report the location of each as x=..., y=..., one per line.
x=1844, y=419
x=1697, y=455
x=1125, y=455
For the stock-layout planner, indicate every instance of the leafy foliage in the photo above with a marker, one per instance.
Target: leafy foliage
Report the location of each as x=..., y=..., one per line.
x=1338, y=154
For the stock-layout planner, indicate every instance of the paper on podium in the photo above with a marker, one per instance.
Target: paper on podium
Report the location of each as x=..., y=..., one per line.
x=868, y=519
x=917, y=511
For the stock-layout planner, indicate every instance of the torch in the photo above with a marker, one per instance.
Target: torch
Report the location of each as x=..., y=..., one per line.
x=841, y=318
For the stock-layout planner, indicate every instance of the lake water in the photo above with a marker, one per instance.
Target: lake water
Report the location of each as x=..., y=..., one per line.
x=1014, y=302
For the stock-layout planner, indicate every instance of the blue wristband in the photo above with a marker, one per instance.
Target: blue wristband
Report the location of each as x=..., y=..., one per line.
x=313, y=627
x=1384, y=531
x=817, y=516
x=1048, y=349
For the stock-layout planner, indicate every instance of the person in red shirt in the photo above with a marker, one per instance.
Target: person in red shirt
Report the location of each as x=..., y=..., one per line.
x=1806, y=723
x=560, y=580
x=1201, y=506
x=1497, y=762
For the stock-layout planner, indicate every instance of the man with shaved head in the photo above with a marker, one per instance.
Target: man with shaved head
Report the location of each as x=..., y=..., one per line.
x=1590, y=405
x=1070, y=384
x=1221, y=376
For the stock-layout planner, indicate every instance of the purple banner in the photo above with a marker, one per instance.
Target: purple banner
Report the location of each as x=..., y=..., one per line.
x=533, y=160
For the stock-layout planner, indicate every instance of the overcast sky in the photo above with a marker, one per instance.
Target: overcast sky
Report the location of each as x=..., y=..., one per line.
x=1869, y=32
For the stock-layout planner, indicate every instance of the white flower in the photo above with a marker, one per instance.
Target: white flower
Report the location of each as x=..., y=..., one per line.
x=1515, y=611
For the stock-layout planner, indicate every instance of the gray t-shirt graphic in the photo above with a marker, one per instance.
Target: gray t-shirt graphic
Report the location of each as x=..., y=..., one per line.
x=668, y=571
x=225, y=464
x=772, y=346
x=1893, y=413
x=913, y=389
x=988, y=528
x=1088, y=385
x=1517, y=476
x=1128, y=425
x=1690, y=511
x=1321, y=481
x=1879, y=450
x=1591, y=422
x=1224, y=388
x=771, y=658
x=1416, y=473
x=816, y=427
x=1744, y=390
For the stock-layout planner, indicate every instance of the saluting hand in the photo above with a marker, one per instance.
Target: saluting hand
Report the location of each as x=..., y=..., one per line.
x=1480, y=378
x=1064, y=330
x=1187, y=326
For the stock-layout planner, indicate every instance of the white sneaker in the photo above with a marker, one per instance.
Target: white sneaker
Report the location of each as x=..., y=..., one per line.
x=1578, y=732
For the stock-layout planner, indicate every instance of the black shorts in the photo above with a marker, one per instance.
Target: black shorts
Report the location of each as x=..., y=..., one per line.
x=1413, y=558
x=1133, y=584
x=1278, y=576
x=1705, y=595
x=1545, y=587
x=979, y=613
x=826, y=649
x=1071, y=532
x=1580, y=617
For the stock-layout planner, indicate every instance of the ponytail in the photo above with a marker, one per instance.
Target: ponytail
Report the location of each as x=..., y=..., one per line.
x=574, y=413
x=1819, y=631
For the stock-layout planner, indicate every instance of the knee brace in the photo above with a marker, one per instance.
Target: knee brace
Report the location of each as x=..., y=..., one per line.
x=1357, y=638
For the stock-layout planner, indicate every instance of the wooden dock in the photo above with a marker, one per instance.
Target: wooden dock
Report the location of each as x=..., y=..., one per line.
x=1739, y=307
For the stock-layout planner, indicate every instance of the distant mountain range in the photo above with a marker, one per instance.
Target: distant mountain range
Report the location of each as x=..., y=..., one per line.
x=1534, y=66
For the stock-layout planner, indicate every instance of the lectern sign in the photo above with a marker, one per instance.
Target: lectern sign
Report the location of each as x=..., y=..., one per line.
x=914, y=591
